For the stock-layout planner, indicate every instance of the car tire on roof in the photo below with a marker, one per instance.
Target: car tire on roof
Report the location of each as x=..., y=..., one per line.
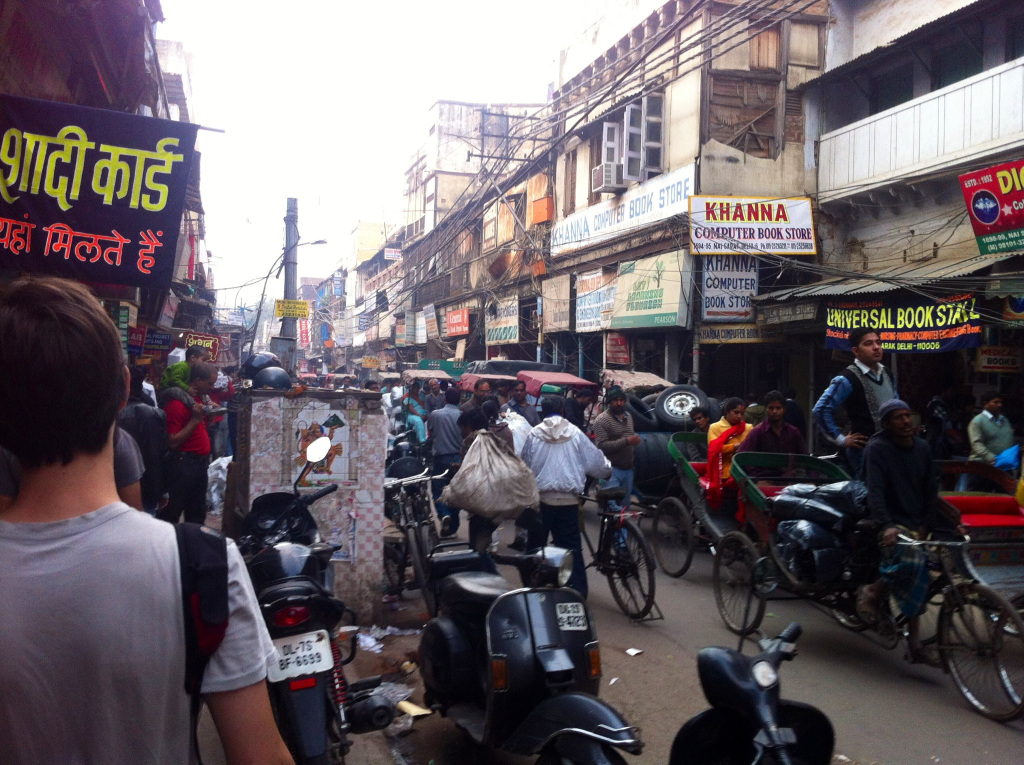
x=673, y=406
x=644, y=420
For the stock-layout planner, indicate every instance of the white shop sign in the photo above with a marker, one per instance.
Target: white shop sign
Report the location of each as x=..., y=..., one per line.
x=728, y=283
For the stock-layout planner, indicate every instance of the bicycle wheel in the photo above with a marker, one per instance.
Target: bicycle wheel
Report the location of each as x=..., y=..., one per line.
x=981, y=642
x=739, y=602
x=673, y=536
x=412, y=543
x=630, y=569
x=394, y=566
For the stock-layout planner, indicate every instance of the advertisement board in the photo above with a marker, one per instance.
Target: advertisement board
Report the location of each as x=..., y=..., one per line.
x=906, y=324
x=94, y=195
x=209, y=342
x=616, y=348
x=400, y=332
x=655, y=200
x=502, y=326
x=1001, y=359
x=594, y=292
x=745, y=225
x=430, y=317
x=291, y=309
x=728, y=334
x=555, y=292
x=421, y=328
x=458, y=322
x=157, y=341
x=729, y=282
x=653, y=292
x=995, y=202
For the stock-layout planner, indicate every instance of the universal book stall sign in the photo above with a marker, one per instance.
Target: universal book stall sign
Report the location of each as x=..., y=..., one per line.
x=751, y=225
x=909, y=325
x=995, y=200
x=90, y=194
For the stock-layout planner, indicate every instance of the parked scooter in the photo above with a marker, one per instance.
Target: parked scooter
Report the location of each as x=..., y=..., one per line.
x=748, y=723
x=519, y=669
x=315, y=707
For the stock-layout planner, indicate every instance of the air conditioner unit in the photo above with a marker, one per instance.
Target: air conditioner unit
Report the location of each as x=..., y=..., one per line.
x=607, y=178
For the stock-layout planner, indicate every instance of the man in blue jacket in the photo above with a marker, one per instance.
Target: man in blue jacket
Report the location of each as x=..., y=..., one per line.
x=562, y=457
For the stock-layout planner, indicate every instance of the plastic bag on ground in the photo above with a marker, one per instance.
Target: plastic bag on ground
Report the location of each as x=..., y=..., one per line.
x=491, y=482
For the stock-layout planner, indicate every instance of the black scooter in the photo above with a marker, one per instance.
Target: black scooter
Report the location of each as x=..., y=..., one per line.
x=519, y=669
x=748, y=724
x=315, y=707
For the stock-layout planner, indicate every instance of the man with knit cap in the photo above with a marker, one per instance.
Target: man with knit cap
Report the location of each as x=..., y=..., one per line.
x=614, y=435
x=562, y=457
x=903, y=495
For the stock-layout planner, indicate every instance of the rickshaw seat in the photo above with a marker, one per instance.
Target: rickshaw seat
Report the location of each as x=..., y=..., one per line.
x=983, y=520
x=985, y=504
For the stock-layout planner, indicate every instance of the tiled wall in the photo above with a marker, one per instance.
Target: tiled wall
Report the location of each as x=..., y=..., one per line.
x=352, y=516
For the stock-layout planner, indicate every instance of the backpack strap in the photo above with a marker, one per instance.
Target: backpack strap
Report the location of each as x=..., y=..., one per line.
x=203, y=560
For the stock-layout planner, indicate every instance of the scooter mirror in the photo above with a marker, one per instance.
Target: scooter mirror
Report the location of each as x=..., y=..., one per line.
x=317, y=450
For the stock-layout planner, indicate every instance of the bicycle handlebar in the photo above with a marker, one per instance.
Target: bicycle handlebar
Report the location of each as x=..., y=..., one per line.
x=419, y=478
x=905, y=541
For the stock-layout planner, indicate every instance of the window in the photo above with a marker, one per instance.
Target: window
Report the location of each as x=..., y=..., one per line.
x=653, y=109
x=892, y=88
x=1015, y=41
x=569, y=203
x=958, y=60
x=764, y=49
x=635, y=139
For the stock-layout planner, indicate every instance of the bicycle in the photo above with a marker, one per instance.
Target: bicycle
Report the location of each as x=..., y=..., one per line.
x=623, y=554
x=980, y=635
x=407, y=503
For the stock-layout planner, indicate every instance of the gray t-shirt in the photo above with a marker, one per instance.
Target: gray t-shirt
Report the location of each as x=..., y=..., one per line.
x=92, y=649
x=128, y=466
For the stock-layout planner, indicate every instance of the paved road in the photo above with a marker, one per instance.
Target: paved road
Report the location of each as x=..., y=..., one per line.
x=884, y=710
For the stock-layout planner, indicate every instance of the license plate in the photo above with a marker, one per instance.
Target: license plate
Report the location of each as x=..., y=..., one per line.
x=301, y=655
x=571, y=616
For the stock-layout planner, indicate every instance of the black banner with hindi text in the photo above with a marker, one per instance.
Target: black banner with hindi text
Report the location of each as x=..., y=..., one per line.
x=91, y=194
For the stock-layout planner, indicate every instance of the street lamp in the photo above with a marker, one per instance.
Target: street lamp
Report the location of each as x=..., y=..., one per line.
x=279, y=263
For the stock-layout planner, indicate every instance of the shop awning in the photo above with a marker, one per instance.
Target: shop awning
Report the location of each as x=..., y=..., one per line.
x=887, y=277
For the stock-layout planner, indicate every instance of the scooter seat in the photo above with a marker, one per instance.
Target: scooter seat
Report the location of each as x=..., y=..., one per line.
x=299, y=587
x=472, y=590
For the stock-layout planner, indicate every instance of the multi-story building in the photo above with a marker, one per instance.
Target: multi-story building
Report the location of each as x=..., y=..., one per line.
x=912, y=96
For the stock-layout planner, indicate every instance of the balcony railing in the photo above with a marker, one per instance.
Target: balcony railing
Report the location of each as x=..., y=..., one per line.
x=958, y=125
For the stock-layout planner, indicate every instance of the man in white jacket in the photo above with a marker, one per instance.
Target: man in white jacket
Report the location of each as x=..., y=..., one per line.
x=562, y=457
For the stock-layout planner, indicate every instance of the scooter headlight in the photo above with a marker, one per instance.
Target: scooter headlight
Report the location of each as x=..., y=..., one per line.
x=560, y=561
x=764, y=674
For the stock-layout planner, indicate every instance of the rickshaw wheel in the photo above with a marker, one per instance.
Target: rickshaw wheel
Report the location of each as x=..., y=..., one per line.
x=673, y=536
x=740, y=603
x=981, y=642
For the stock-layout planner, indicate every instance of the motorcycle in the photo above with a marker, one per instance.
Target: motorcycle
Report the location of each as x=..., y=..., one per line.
x=289, y=564
x=748, y=723
x=519, y=669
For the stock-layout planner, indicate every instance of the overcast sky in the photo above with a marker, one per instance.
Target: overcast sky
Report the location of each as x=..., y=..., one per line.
x=326, y=101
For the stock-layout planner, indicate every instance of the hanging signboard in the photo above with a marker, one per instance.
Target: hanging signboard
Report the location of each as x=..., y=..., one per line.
x=653, y=292
x=420, y=328
x=209, y=342
x=729, y=282
x=503, y=325
x=616, y=348
x=995, y=201
x=909, y=324
x=458, y=322
x=655, y=200
x=590, y=297
x=136, y=340
x=291, y=309
x=371, y=362
x=746, y=225
x=304, y=332
x=91, y=194
x=157, y=341
x=1013, y=310
x=392, y=253
x=555, y=292
x=430, y=317
x=1002, y=359
x=400, y=332
x=727, y=334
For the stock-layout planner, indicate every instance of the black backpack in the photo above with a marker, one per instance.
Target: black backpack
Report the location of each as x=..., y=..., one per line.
x=203, y=558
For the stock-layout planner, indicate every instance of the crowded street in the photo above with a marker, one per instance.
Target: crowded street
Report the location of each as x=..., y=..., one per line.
x=576, y=383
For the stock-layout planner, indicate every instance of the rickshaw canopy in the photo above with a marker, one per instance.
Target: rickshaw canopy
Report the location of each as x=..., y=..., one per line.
x=468, y=381
x=409, y=375
x=537, y=380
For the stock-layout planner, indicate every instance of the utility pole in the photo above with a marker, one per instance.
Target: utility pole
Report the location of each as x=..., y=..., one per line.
x=291, y=262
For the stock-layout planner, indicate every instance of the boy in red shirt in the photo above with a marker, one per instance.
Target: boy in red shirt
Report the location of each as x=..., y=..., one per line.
x=189, y=455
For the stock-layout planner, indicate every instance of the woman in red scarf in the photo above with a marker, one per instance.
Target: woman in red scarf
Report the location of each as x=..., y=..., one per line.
x=724, y=437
